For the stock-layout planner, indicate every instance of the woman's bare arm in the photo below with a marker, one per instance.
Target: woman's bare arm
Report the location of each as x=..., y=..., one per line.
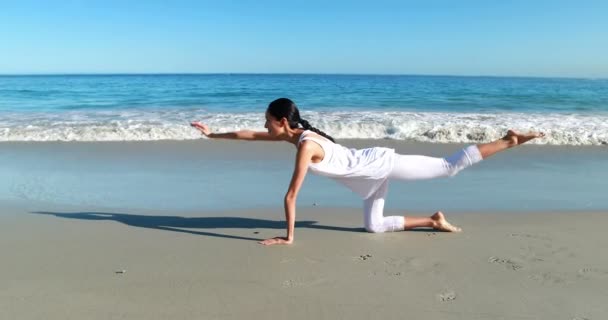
x=236, y=135
x=303, y=158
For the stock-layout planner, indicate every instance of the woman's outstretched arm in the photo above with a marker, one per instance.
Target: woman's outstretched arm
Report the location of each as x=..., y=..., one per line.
x=301, y=168
x=238, y=135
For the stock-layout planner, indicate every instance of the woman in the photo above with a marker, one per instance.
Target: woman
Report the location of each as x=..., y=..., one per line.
x=365, y=171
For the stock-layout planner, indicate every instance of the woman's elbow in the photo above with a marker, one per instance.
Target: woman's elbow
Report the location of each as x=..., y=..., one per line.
x=290, y=197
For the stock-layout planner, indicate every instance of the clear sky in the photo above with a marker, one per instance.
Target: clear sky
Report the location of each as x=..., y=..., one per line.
x=452, y=37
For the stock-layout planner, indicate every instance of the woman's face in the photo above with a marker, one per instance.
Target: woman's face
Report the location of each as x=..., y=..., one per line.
x=273, y=125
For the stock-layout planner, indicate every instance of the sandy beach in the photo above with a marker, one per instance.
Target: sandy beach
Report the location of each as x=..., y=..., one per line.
x=134, y=231
x=83, y=263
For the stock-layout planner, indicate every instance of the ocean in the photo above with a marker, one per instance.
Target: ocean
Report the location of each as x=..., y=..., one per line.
x=436, y=109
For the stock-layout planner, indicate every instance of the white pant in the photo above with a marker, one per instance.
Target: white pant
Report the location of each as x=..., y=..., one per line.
x=410, y=167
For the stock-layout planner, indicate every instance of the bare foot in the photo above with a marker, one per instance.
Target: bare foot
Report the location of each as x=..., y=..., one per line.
x=440, y=223
x=515, y=138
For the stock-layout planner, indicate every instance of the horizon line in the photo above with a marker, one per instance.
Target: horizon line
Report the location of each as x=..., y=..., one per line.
x=289, y=73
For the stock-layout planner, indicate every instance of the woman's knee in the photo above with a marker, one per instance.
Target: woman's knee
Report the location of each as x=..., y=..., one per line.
x=462, y=159
x=388, y=224
x=375, y=228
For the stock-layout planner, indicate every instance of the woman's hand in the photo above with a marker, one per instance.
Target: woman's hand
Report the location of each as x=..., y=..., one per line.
x=203, y=128
x=276, y=240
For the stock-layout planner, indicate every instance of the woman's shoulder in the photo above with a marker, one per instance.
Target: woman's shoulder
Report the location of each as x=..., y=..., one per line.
x=311, y=140
x=313, y=135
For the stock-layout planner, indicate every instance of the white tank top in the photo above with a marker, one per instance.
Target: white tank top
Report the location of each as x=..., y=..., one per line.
x=362, y=171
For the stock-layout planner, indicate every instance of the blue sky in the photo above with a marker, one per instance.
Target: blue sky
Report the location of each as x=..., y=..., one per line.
x=520, y=38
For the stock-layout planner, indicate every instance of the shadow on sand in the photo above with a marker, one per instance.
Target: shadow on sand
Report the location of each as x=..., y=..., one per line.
x=180, y=224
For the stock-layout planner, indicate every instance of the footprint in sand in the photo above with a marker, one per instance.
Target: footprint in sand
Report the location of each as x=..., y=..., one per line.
x=591, y=272
x=447, y=296
x=364, y=257
x=291, y=284
x=509, y=264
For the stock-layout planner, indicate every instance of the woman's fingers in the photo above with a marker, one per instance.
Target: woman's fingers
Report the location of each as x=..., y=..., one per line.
x=204, y=129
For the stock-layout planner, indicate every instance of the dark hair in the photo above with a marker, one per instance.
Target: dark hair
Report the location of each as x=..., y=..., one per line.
x=285, y=108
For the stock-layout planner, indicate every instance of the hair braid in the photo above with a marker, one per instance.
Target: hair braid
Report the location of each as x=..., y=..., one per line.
x=307, y=126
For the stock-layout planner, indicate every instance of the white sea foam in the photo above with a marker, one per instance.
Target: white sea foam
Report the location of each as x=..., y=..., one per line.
x=134, y=125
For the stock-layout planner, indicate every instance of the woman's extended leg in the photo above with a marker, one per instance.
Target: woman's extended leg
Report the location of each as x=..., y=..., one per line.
x=414, y=167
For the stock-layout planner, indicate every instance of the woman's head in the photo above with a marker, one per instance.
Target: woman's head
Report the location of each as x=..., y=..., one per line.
x=284, y=108
x=283, y=113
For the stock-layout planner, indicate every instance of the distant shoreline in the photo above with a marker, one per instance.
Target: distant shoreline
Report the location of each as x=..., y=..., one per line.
x=138, y=74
